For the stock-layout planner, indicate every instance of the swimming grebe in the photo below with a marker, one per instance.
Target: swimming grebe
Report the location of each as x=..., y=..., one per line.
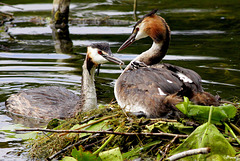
x=152, y=89
x=57, y=102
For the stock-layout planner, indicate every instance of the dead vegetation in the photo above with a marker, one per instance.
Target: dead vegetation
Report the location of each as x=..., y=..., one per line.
x=110, y=128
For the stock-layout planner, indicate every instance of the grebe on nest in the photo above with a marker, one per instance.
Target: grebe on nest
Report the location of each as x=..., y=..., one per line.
x=57, y=102
x=151, y=89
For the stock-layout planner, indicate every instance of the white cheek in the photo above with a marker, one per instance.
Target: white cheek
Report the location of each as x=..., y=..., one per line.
x=99, y=59
x=141, y=34
x=96, y=57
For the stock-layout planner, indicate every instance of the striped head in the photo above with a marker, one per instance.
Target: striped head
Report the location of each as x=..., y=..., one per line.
x=150, y=25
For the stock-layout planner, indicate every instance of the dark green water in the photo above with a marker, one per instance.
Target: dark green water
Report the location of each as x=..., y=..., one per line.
x=205, y=38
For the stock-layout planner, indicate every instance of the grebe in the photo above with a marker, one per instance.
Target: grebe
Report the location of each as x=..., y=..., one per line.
x=57, y=102
x=151, y=89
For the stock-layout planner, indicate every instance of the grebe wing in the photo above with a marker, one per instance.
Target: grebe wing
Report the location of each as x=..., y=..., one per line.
x=190, y=78
x=43, y=102
x=145, y=89
x=151, y=80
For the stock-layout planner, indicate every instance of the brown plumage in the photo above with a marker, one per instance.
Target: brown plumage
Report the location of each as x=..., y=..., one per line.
x=151, y=88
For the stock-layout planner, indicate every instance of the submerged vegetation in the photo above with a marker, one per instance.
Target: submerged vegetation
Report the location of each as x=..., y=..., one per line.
x=112, y=132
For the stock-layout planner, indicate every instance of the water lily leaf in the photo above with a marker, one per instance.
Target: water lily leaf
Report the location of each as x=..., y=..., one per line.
x=207, y=135
x=111, y=155
x=219, y=114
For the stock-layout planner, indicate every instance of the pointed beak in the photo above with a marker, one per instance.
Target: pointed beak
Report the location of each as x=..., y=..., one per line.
x=113, y=59
x=128, y=42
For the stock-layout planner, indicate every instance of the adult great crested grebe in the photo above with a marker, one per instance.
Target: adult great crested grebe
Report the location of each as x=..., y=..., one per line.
x=152, y=89
x=57, y=102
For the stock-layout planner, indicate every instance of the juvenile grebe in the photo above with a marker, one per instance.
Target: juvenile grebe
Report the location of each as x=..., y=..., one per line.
x=57, y=102
x=152, y=89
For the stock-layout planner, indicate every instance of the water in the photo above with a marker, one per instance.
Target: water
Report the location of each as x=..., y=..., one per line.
x=205, y=38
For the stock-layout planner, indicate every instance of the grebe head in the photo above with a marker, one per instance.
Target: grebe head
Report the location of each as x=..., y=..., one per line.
x=100, y=53
x=150, y=25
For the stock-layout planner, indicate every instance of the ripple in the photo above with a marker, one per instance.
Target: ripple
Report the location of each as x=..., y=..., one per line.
x=33, y=56
x=187, y=10
x=30, y=7
x=219, y=68
x=104, y=30
x=16, y=62
x=129, y=57
x=35, y=68
x=197, y=32
x=218, y=83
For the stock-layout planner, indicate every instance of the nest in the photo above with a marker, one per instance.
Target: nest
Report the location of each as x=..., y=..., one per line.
x=110, y=126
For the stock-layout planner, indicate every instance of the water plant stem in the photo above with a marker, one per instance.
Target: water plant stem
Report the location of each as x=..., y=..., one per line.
x=108, y=140
x=210, y=114
x=231, y=131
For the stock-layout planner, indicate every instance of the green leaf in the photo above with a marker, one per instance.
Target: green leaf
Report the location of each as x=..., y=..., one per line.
x=170, y=127
x=207, y=135
x=111, y=155
x=95, y=127
x=80, y=155
x=29, y=135
x=219, y=114
x=68, y=159
x=9, y=132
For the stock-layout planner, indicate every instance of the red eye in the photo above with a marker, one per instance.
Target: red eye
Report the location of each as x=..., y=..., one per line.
x=100, y=52
x=137, y=29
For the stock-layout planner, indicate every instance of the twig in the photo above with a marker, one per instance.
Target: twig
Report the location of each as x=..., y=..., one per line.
x=70, y=146
x=163, y=119
x=6, y=13
x=97, y=121
x=103, y=132
x=10, y=6
x=228, y=102
x=168, y=146
x=189, y=153
x=90, y=118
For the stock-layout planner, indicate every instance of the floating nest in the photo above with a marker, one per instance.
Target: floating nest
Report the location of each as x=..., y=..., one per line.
x=134, y=136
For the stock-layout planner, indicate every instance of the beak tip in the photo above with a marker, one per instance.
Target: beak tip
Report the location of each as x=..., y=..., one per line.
x=120, y=49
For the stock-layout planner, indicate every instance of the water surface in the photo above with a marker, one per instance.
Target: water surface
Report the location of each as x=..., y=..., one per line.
x=205, y=38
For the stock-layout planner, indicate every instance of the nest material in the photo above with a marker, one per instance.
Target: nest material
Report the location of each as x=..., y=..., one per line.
x=112, y=116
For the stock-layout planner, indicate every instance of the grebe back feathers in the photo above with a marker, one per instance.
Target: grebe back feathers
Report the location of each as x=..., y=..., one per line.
x=151, y=88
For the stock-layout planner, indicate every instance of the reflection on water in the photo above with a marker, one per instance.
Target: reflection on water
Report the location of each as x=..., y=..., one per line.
x=30, y=7
x=103, y=30
x=204, y=38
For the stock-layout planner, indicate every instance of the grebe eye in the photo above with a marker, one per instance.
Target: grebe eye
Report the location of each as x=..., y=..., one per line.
x=137, y=29
x=100, y=52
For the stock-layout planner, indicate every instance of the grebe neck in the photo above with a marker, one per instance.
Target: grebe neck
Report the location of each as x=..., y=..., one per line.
x=151, y=56
x=88, y=91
